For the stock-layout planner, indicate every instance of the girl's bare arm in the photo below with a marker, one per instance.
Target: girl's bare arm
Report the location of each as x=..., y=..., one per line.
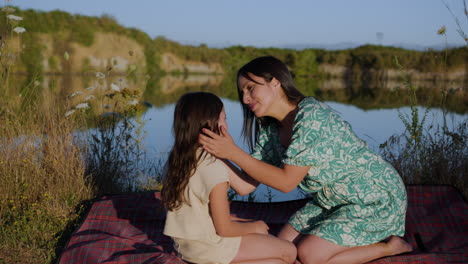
x=220, y=213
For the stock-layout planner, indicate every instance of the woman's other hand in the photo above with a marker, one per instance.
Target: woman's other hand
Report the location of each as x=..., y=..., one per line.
x=221, y=146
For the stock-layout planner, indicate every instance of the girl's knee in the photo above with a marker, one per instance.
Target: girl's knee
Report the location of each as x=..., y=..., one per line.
x=290, y=254
x=305, y=254
x=285, y=251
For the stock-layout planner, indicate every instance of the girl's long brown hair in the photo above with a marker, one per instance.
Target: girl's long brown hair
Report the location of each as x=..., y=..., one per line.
x=193, y=112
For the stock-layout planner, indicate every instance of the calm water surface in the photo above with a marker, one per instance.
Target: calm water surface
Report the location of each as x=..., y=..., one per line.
x=373, y=126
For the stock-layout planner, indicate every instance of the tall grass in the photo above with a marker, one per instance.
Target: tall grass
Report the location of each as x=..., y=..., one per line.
x=52, y=166
x=428, y=154
x=42, y=182
x=42, y=185
x=439, y=155
x=55, y=160
x=116, y=159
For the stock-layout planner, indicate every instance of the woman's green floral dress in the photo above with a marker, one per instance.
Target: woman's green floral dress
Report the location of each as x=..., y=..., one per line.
x=358, y=198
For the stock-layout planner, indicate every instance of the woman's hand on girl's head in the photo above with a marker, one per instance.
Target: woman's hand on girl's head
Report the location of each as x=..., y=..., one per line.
x=221, y=146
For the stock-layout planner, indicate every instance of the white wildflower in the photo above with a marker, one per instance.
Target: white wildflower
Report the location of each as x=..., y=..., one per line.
x=115, y=87
x=8, y=9
x=90, y=88
x=15, y=18
x=133, y=102
x=100, y=75
x=19, y=30
x=82, y=106
x=75, y=94
x=70, y=112
x=36, y=83
x=89, y=97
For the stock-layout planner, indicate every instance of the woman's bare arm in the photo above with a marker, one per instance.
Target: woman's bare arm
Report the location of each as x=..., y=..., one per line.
x=240, y=182
x=222, y=146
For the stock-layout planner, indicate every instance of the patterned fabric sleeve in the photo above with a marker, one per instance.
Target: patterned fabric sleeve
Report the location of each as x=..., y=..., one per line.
x=309, y=135
x=264, y=148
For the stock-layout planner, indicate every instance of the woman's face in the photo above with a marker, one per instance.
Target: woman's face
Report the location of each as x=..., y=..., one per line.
x=222, y=120
x=259, y=95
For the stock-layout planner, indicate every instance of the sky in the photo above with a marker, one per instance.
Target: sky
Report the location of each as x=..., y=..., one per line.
x=279, y=23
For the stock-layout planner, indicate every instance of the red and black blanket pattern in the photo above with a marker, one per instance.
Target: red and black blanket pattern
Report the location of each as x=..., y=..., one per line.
x=128, y=228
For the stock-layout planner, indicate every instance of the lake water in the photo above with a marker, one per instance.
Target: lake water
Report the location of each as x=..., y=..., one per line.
x=374, y=126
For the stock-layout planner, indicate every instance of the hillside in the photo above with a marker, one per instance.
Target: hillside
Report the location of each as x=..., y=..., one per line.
x=58, y=43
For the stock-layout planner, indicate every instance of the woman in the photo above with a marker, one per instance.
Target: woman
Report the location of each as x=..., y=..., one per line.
x=358, y=199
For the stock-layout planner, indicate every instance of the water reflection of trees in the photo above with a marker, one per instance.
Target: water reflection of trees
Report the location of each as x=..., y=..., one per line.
x=375, y=95
x=366, y=92
x=369, y=93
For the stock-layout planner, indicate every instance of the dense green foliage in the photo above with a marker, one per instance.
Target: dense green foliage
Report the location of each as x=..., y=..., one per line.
x=302, y=62
x=381, y=57
x=363, y=65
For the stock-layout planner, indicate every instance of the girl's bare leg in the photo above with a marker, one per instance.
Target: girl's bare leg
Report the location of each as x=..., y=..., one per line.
x=313, y=249
x=290, y=234
x=261, y=261
x=260, y=248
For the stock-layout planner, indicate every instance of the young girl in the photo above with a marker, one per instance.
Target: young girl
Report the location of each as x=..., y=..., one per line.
x=195, y=194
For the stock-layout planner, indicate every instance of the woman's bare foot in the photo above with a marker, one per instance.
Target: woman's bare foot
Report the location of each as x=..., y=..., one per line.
x=397, y=245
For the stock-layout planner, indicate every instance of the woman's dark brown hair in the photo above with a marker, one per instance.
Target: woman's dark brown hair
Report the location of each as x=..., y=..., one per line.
x=267, y=67
x=193, y=112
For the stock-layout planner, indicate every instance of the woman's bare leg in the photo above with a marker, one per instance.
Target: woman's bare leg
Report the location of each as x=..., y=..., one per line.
x=313, y=249
x=394, y=246
x=260, y=248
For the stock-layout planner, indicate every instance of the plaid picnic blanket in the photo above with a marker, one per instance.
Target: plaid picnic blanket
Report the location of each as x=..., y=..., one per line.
x=128, y=228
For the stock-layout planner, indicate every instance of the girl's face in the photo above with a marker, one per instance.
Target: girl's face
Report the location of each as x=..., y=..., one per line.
x=222, y=120
x=259, y=95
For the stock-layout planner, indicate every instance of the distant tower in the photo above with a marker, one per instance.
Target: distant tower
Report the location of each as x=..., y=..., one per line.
x=379, y=38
